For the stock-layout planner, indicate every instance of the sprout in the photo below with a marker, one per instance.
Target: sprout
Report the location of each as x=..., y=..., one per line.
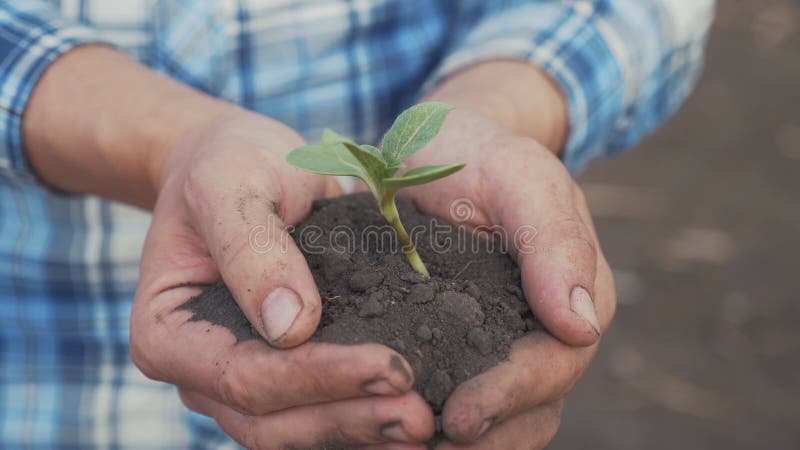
x=411, y=131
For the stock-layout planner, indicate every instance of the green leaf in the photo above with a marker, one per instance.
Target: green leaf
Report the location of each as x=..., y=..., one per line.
x=421, y=175
x=330, y=137
x=414, y=128
x=388, y=169
x=341, y=159
x=327, y=160
x=392, y=169
x=370, y=149
x=369, y=156
x=373, y=164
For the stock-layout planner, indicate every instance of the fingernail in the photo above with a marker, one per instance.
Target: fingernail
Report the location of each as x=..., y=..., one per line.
x=279, y=311
x=380, y=387
x=394, y=431
x=582, y=305
x=484, y=427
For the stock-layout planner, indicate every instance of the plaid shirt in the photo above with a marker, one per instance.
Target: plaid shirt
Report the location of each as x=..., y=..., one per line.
x=69, y=264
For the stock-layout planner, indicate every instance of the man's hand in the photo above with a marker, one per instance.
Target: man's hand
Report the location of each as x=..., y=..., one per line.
x=221, y=184
x=101, y=124
x=515, y=182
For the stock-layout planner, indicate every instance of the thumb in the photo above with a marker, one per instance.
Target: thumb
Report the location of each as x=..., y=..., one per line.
x=558, y=260
x=260, y=263
x=558, y=279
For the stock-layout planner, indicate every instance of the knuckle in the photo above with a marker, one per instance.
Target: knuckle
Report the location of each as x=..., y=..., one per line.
x=317, y=383
x=337, y=435
x=143, y=363
x=188, y=401
x=140, y=355
x=232, y=388
x=194, y=184
x=573, y=231
x=575, y=368
x=235, y=250
x=309, y=373
x=569, y=368
x=252, y=439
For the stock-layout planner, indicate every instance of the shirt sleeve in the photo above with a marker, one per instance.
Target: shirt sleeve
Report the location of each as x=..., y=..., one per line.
x=623, y=65
x=32, y=36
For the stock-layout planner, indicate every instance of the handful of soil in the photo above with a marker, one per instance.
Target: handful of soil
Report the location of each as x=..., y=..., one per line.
x=450, y=327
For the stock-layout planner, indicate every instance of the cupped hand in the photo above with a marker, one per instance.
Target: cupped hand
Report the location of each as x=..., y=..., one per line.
x=513, y=182
x=225, y=198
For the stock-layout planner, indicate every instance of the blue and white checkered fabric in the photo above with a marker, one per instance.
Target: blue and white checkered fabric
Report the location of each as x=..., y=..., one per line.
x=68, y=264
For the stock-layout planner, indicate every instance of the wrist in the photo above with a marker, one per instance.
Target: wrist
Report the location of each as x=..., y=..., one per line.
x=99, y=123
x=515, y=94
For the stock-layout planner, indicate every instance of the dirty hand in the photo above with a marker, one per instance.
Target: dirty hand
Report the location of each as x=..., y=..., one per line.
x=512, y=181
x=219, y=185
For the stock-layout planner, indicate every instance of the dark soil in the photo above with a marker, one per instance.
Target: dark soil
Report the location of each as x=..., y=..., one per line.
x=450, y=327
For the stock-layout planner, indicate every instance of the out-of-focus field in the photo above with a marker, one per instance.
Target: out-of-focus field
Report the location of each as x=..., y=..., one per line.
x=702, y=226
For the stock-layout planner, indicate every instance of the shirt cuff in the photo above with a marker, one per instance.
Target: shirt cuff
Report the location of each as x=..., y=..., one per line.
x=29, y=42
x=564, y=41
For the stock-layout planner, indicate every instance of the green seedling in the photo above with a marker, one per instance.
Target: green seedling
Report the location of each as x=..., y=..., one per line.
x=411, y=131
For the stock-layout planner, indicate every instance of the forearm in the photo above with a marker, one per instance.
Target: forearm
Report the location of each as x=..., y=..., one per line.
x=514, y=93
x=99, y=123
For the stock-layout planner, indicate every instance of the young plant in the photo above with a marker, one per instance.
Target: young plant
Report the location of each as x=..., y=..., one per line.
x=411, y=131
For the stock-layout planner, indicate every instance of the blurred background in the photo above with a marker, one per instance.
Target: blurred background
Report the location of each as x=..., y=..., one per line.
x=702, y=226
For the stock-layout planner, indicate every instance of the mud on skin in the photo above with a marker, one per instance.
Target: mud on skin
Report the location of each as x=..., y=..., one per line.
x=450, y=328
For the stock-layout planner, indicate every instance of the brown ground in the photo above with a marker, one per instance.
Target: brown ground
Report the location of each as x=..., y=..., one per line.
x=450, y=327
x=702, y=226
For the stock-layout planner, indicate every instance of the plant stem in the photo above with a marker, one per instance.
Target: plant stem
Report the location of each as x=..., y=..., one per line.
x=392, y=217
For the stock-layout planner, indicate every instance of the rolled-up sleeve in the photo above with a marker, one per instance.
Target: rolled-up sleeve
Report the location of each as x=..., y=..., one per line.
x=32, y=36
x=624, y=66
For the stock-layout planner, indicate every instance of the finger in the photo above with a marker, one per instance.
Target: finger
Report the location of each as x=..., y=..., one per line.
x=173, y=254
x=540, y=370
x=375, y=420
x=554, y=248
x=605, y=299
x=332, y=187
x=241, y=220
x=531, y=430
x=360, y=187
x=250, y=376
